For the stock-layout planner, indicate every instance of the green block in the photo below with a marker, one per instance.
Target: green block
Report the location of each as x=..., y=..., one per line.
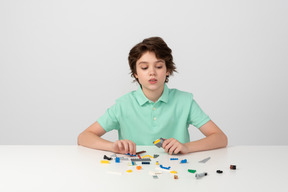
x=191, y=170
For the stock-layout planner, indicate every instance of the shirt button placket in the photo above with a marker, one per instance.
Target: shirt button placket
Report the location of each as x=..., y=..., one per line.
x=154, y=115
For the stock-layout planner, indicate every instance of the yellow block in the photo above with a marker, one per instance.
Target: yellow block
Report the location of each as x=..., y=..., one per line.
x=129, y=171
x=104, y=161
x=147, y=156
x=173, y=172
x=157, y=141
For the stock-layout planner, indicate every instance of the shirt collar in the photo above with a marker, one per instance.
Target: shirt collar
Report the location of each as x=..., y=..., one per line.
x=142, y=99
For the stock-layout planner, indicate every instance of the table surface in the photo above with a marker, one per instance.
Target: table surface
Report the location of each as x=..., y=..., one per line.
x=76, y=168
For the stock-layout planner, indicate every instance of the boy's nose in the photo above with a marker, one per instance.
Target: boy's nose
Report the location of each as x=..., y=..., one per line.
x=152, y=72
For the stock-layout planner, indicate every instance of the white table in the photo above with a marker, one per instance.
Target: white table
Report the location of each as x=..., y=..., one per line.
x=76, y=168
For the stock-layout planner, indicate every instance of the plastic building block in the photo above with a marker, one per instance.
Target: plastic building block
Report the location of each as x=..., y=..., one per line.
x=159, y=142
x=117, y=160
x=104, y=161
x=219, y=171
x=165, y=167
x=183, y=161
x=199, y=175
x=145, y=156
x=155, y=177
x=139, y=156
x=140, y=152
x=131, y=163
x=145, y=162
x=173, y=172
x=157, y=163
x=155, y=156
x=129, y=171
x=138, y=167
x=130, y=155
x=233, y=167
x=123, y=158
x=108, y=158
x=155, y=172
x=191, y=170
x=145, y=159
x=173, y=159
x=205, y=160
x=175, y=176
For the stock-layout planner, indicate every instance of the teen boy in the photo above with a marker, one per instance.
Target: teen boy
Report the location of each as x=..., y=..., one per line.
x=153, y=111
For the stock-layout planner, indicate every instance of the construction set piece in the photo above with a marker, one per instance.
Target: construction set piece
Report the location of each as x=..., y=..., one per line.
x=175, y=176
x=117, y=160
x=131, y=163
x=199, y=175
x=191, y=171
x=155, y=177
x=155, y=156
x=159, y=142
x=130, y=155
x=173, y=159
x=140, y=152
x=146, y=162
x=104, y=161
x=129, y=171
x=139, y=156
x=233, y=167
x=145, y=159
x=138, y=167
x=155, y=172
x=157, y=163
x=173, y=172
x=161, y=166
x=114, y=155
x=123, y=158
x=205, y=160
x=183, y=161
x=108, y=158
x=146, y=156
x=219, y=171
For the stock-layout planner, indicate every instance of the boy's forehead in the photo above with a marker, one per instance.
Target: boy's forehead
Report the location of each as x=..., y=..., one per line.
x=148, y=56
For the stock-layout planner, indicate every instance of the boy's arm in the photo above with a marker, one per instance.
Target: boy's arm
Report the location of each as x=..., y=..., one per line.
x=91, y=137
x=214, y=139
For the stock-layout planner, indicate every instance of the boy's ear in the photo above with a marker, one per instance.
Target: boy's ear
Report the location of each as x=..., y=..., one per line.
x=135, y=75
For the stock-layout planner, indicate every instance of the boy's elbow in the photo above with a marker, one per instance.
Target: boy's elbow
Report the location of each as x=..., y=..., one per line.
x=224, y=140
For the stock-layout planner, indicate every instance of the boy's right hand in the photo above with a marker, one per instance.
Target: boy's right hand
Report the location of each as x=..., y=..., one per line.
x=124, y=147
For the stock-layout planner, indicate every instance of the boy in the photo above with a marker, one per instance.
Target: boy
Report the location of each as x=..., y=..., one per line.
x=154, y=110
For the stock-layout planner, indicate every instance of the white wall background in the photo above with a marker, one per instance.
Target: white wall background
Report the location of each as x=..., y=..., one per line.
x=63, y=63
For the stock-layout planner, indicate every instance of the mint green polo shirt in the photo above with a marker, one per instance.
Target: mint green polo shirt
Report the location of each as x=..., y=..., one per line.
x=142, y=121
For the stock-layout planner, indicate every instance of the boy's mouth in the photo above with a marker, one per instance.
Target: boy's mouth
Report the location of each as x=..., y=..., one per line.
x=153, y=81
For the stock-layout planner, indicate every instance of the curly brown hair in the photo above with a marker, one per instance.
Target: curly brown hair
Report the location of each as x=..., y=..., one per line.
x=156, y=45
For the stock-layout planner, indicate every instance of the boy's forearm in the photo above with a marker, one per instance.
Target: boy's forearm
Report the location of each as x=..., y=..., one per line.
x=93, y=141
x=213, y=141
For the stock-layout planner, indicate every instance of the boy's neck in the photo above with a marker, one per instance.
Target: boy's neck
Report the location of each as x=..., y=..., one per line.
x=153, y=95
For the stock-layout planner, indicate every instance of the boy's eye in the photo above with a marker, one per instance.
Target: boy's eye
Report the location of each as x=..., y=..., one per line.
x=159, y=67
x=144, y=68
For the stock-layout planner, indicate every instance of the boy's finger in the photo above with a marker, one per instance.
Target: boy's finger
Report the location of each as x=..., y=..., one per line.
x=126, y=147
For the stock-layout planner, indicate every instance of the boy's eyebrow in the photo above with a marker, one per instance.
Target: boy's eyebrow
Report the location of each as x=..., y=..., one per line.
x=145, y=62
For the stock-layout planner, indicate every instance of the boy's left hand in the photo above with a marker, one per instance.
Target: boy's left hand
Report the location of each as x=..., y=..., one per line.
x=173, y=146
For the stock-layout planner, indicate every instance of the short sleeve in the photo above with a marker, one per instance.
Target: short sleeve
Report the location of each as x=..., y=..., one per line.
x=197, y=117
x=109, y=120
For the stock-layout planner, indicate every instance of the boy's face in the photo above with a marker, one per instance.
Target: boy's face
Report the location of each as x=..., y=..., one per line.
x=151, y=72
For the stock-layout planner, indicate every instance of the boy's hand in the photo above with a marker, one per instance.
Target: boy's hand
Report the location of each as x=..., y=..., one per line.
x=174, y=146
x=124, y=147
